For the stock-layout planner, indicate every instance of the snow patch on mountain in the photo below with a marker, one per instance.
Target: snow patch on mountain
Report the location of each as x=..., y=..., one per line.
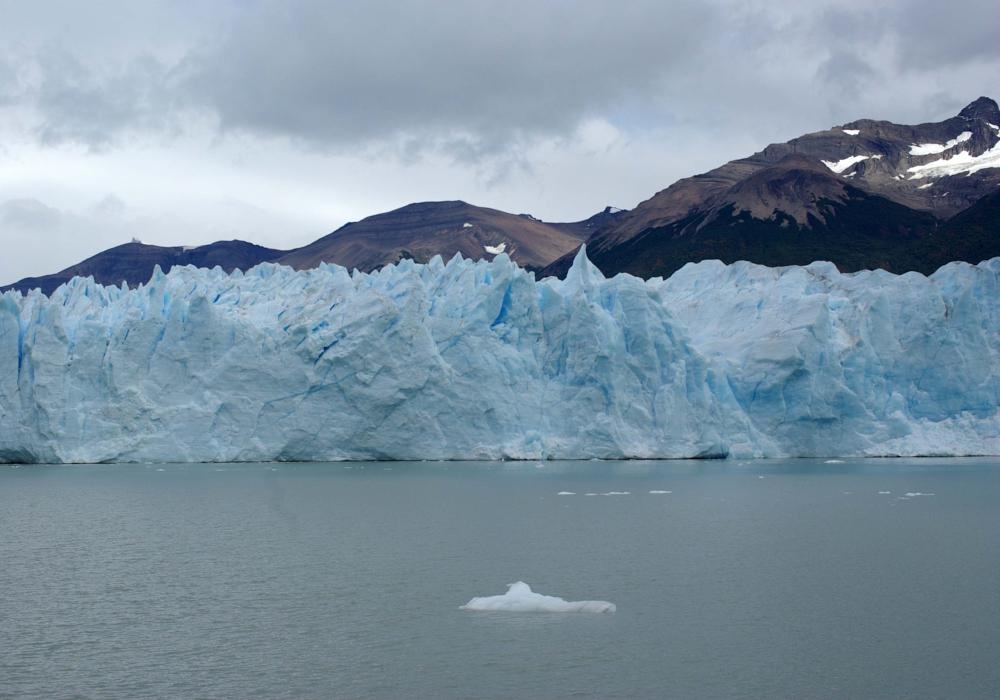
x=958, y=164
x=495, y=249
x=927, y=149
x=852, y=132
x=842, y=165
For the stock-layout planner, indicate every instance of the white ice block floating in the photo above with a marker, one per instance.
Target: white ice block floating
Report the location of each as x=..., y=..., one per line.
x=520, y=598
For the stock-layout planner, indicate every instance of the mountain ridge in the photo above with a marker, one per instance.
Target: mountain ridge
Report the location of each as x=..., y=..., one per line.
x=934, y=169
x=417, y=231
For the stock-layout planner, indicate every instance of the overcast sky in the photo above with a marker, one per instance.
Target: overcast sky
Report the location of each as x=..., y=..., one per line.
x=187, y=121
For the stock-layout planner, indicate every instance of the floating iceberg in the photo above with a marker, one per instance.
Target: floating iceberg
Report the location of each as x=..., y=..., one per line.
x=519, y=598
x=482, y=361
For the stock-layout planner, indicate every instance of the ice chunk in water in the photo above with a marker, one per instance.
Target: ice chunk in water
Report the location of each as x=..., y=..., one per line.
x=520, y=598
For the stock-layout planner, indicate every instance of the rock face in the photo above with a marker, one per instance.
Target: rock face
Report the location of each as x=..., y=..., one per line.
x=480, y=361
x=907, y=180
x=421, y=231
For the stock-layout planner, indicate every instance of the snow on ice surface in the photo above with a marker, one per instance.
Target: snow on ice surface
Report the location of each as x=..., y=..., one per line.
x=482, y=361
x=495, y=250
x=927, y=149
x=958, y=164
x=852, y=132
x=842, y=165
x=520, y=598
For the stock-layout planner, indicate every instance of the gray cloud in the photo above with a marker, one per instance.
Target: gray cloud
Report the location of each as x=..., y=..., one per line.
x=477, y=80
x=80, y=105
x=338, y=73
x=932, y=35
x=29, y=215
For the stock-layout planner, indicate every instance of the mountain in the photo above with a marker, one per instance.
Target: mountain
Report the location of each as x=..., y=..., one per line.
x=421, y=231
x=134, y=262
x=863, y=195
x=418, y=231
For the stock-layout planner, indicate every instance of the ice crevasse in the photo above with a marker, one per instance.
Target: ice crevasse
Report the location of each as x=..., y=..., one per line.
x=479, y=360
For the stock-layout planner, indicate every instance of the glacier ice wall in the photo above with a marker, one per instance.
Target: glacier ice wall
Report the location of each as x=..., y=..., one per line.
x=867, y=363
x=464, y=360
x=480, y=361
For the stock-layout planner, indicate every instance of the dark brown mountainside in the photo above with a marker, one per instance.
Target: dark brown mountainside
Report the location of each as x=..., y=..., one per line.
x=421, y=231
x=858, y=195
x=418, y=231
x=134, y=263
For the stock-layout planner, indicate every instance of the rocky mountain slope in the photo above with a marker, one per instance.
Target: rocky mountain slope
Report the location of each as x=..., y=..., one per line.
x=421, y=231
x=863, y=195
x=417, y=231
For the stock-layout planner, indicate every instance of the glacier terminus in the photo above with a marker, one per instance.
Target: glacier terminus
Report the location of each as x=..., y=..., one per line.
x=479, y=360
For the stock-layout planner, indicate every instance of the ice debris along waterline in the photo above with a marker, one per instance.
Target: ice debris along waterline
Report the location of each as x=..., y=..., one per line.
x=482, y=361
x=519, y=598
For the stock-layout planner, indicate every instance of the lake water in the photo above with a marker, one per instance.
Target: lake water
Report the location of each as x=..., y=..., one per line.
x=333, y=580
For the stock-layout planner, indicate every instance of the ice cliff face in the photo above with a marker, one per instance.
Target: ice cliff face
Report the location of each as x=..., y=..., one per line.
x=479, y=360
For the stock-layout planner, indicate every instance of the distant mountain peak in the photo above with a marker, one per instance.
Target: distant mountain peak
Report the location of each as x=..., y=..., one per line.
x=984, y=108
x=869, y=193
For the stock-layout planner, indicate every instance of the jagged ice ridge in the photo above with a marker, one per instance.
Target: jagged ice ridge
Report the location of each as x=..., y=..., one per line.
x=481, y=361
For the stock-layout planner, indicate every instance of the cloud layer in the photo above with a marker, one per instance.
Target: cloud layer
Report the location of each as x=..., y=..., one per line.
x=522, y=104
x=486, y=75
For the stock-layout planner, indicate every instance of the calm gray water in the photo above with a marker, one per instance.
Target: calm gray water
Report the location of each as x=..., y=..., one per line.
x=329, y=580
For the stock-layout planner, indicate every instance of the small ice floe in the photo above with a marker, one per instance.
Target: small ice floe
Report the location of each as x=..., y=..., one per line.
x=848, y=493
x=539, y=465
x=884, y=493
x=495, y=249
x=852, y=132
x=590, y=494
x=760, y=477
x=661, y=491
x=519, y=598
x=617, y=493
x=914, y=495
x=218, y=470
x=161, y=470
x=565, y=493
x=834, y=461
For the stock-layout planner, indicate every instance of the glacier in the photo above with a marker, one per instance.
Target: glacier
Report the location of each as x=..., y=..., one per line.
x=479, y=360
